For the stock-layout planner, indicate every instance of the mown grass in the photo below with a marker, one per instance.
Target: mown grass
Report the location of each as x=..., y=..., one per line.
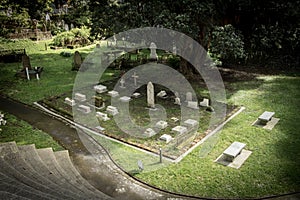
x=23, y=133
x=273, y=167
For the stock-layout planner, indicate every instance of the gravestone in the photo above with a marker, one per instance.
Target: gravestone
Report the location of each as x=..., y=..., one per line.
x=80, y=97
x=190, y=123
x=72, y=26
x=102, y=116
x=113, y=93
x=150, y=95
x=140, y=165
x=122, y=83
x=153, y=54
x=100, y=128
x=193, y=104
x=188, y=97
x=77, y=61
x=66, y=27
x=26, y=62
x=161, y=124
x=135, y=77
x=149, y=132
x=100, y=88
x=84, y=109
x=136, y=95
x=177, y=101
x=112, y=110
x=204, y=102
x=179, y=130
x=162, y=94
x=165, y=137
x=174, y=50
x=125, y=99
x=266, y=117
x=69, y=101
x=174, y=119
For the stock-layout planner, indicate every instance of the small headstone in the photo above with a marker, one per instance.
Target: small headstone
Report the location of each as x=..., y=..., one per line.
x=135, y=77
x=174, y=119
x=66, y=27
x=69, y=101
x=149, y=132
x=162, y=94
x=125, y=99
x=150, y=95
x=161, y=124
x=265, y=117
x=188, y=97
x=100, y=88
x=204, y=102
x=113, y=93
x=84, y=109
x=193, y=104
x=136, y=95
x=174, y=50
x=72, y=26
x=177, y=101
x=98, y=46
x=80, y=97
x=100, y=128
x=112, y=110
x=140, y=165
x=77, y=61
x=47, y=17
x=102, y=116
x=165, y=137
x=179, y=129
x=190, y=123
x=153, y=54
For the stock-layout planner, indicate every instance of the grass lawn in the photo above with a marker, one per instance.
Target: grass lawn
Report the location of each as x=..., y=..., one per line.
x=23, y=133
x=273, y=167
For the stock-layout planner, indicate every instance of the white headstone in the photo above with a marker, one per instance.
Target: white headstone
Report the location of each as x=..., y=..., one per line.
x=136, y=95
x=125, y=99
x=113, y=93
x=193, y=104
x=179, y=129
x=188, y=97
x=149, y=132
x=100, y=88
x=165, y=137
x=66, y=27
x=162, y=94
x=153, y=54
x=80, y=97
x=204, y=102
x=190, y=123
x=84, y=109
x=150, y=95
x=177, y=101
x=112, y=110
x=69, y=101
x=72, y=26
x=161, y=124
x=47, y=17
x=174, y=119
x=102, y=116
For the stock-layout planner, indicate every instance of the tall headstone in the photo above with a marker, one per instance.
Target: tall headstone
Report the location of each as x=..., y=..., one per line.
x=153, y=54
x=150, y=95
x=135, y=77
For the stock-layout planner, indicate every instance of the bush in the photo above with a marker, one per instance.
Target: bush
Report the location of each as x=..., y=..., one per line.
x=226, y=44
x=74, y=36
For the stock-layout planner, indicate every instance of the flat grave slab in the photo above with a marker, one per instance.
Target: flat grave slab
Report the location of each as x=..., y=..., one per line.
x=100, y=88
x=233, y=150
x=190, y=123
x=237, y=162
x=179, y=129
x=269, y=125
x=161, y=124
x=165, y=137
x=266, y=116
x=113, y=93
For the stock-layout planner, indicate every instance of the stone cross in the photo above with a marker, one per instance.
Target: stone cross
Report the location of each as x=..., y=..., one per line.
x=150, y=95
x=122, y=82
x=134, y=76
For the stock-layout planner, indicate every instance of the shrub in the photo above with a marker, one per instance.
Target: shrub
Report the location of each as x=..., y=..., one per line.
x=226, y=44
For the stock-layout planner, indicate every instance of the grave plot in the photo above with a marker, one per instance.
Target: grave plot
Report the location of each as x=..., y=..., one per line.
x=266, y=120
x=173, y=135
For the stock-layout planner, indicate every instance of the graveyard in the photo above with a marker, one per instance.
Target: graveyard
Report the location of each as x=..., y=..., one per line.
x=271, y=168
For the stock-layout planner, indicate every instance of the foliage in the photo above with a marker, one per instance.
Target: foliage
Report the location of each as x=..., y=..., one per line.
x=226, y=44
x=74, y=36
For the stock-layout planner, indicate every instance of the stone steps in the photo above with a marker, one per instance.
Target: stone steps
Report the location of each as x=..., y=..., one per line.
x=30, y=173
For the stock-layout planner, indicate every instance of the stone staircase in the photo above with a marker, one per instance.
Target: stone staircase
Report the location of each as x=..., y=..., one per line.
x=30, y=173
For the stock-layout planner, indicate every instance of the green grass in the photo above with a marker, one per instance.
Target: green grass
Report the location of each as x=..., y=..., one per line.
x=23, y=133
x=273, y=167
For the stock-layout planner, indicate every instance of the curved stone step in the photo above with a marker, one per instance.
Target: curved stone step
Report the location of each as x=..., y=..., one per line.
x=30, y=155
x=65, y=162
x=14, y=186
x=7, y=195
x=48, y=158
x=9, y=165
